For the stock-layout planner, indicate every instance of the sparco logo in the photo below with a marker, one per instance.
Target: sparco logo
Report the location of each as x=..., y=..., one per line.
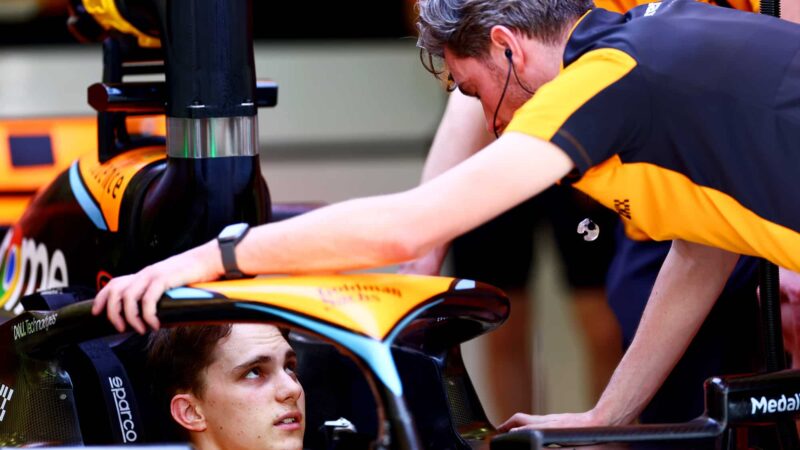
x=124, y=414
x=5, y=394
x=783, y=404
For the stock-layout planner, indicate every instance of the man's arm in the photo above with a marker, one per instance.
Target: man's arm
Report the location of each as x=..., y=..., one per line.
x=687, y=286
x=790, y=10
x=359, y=233
x=790, y=313
x=461, y=133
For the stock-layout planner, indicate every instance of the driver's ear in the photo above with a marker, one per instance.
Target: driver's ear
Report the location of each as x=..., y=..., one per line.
x=185, y=409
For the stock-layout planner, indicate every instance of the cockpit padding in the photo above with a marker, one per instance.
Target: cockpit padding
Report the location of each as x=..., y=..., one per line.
x=105, y=399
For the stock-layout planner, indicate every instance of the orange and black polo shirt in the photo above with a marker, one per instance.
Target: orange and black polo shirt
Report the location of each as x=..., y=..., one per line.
x=685, y=119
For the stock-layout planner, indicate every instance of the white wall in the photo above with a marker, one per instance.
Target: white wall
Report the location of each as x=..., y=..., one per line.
x=348, y=92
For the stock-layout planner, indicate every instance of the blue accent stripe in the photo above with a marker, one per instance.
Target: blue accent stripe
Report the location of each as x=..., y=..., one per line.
x=465, y=284
x=376, y=354
x=403, y=323
x=184, y=292
x=84, y=199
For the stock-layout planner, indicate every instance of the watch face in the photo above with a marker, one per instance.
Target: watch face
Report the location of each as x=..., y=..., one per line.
x=232, y=231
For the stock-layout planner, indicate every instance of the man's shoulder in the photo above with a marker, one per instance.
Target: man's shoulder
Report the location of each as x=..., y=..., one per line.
x=677, y=35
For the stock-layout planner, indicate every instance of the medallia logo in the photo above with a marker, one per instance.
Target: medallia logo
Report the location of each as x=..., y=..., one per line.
x=26, y=267
x=766, y=405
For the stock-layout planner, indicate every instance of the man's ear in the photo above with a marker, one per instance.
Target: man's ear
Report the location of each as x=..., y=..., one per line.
x=504, y=40
x=187, y=412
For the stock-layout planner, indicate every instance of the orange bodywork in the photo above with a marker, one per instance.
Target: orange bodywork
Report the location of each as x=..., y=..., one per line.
x=107, y=182
x=70, y=139
x=369, y=304
x=12, y=207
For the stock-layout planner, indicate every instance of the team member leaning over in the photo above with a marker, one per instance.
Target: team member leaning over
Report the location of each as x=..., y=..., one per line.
x=628, y=111
x=230, y=386
x=609, y=279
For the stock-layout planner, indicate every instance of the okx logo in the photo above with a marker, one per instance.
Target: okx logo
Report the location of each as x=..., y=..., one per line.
x=5, y=396
x=26, y=267
x=623, y=208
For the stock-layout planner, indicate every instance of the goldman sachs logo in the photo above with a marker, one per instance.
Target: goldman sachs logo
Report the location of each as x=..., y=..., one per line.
x=764, y=405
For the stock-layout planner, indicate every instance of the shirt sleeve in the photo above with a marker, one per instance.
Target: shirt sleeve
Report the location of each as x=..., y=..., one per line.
x=619, y=6
x=746, y=5
x=595, y=108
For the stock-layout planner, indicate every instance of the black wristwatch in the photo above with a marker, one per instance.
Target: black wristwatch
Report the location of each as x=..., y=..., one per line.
x=227, y=240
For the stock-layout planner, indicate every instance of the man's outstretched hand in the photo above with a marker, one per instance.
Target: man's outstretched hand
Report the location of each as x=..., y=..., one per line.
x=122, y=295
x=520, y=421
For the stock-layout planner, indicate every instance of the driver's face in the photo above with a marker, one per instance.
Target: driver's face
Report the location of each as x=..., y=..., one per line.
x=252, y=398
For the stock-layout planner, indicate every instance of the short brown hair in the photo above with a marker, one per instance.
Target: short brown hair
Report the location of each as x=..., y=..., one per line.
x=176, y=361
x=177, y=357
x=463, y=26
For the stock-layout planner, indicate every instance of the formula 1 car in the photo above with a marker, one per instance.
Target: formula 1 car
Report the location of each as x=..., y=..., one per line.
x=380, y=352
x=68, y=378
x=141, y=197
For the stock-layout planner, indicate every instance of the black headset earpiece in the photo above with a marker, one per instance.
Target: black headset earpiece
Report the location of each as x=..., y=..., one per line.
x=509, y=55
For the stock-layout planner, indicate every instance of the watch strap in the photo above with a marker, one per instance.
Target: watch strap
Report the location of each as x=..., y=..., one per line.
x=227, y=248
x=228, y=251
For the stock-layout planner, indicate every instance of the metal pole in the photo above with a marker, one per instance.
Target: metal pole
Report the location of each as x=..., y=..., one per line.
x=769, y=282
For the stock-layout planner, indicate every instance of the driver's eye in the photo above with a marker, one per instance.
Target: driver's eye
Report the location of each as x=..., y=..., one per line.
x=291, y=369
x=253, y=373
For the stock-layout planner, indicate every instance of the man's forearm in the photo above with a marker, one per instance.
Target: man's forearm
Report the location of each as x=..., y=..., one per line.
x=355, y=234
x=790, y=10
x=687, y=287
x=388, y=229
